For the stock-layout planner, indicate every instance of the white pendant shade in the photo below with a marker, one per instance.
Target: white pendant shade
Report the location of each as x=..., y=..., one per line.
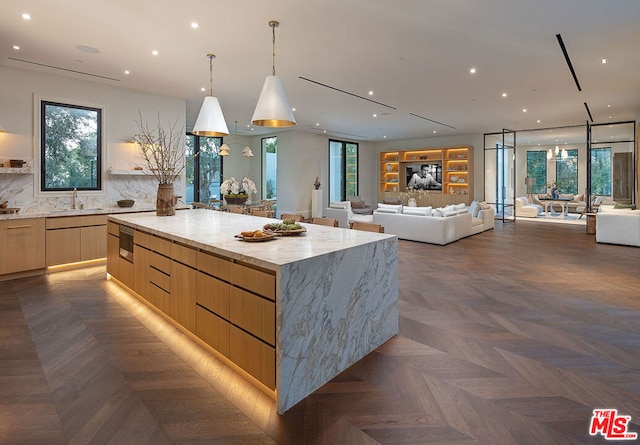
x=224, y=150
x=210, y=121
x=273, y=108
x=247, y=152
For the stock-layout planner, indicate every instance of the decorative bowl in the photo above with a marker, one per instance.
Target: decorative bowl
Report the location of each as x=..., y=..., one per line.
x=126, y=203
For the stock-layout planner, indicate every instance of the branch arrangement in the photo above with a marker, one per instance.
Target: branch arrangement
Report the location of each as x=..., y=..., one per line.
x=160, y=148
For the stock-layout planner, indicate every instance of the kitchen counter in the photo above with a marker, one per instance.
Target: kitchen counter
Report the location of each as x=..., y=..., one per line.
x=83, y=212
x=336, y=290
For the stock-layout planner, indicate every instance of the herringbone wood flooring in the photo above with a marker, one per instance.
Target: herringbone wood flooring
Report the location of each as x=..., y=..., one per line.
x=513, y=336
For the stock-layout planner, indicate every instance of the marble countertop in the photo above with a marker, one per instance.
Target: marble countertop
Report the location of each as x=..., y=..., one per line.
x=214, y=231
x=82, y=212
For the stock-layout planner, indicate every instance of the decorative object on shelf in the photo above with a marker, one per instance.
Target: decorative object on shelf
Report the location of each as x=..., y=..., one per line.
x=451, y=190
x=317, y=183
x=412, y=202
x=161, y=149
x=16, y=163
x=125, y=202
x=461, y=181
x=389, y=167
x=210, y=121
x=453, y=178
x=237, y=193
x=273, y=108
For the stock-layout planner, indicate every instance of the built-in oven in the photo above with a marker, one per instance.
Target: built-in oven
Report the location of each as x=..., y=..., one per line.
x=126, y=243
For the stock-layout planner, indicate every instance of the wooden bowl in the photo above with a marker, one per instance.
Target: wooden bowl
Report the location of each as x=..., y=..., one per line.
x=126, y=203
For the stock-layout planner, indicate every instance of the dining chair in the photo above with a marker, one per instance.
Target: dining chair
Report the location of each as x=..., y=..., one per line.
x=264, y=213
x=238, y=210
x=331, y=222
x=367, y=227
x=296, y=218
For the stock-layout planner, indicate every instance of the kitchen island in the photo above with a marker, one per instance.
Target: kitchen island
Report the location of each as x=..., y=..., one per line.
x=292, y=312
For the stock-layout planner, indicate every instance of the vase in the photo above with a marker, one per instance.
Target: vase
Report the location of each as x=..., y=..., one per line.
x=237, y=200
x=165, y=200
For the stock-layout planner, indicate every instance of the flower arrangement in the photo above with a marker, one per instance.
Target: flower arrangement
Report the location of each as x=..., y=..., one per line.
x=234, y=189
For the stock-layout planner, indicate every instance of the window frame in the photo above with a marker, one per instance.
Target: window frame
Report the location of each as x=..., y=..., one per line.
x=343, y=161
x=560, y=163
x=38, y=153
x=263, y=169
x=608, y=149
x=196, y=163
x=540, y=186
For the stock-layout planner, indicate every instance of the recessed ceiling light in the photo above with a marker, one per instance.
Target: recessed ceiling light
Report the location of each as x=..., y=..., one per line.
x=370, y=93
x=324, y=131
x=16, y=47
x=194, y=25
x=204, y=89
x=293, y=109
x=26, y=16
x=384, y=137
x=504, y=94
x=155, y=52
x=524, y=110
x=609, y=117
x=127, y=72
x=609, y=106
x=472, y=70
x=317, y=124
x=538, y=121
x=603, y=61
x=375, y=115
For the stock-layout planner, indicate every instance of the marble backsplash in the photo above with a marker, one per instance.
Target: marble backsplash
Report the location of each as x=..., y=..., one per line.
x=18, y=190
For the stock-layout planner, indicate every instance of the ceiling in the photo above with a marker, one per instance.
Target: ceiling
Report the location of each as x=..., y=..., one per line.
x=414, y=56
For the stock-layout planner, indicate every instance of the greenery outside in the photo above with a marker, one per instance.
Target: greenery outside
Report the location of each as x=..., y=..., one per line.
x=537, y=168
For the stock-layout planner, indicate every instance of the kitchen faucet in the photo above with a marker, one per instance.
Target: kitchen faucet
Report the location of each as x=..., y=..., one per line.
x=74, y=195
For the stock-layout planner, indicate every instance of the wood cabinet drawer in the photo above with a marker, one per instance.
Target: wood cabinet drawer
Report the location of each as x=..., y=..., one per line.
x=213, y=330
x=257, y=281
x=183, y=291
x=113, y=228
x=254, y=356
x=22, y=245
x=152, y=242
x=253, y=314
x=159, y=262
x=63, y=246
x=184, y=254
x=213, y=294
x=160, y=279
x=76, y=221
x=213, y=265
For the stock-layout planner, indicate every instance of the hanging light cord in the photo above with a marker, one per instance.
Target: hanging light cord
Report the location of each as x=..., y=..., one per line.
x=274, y=24
x=211, y=57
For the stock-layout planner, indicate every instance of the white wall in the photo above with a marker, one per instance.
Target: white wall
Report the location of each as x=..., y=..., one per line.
x=17, y=90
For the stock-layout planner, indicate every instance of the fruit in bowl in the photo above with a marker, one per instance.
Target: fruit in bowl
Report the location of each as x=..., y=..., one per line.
x=126, y=203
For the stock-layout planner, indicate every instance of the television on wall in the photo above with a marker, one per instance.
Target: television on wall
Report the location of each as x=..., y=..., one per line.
x=424, y=176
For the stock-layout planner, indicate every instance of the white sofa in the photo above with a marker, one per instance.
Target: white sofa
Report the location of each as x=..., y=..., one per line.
x=432, y=229
x=618, y=226
x=341, y=211
x=525, y=209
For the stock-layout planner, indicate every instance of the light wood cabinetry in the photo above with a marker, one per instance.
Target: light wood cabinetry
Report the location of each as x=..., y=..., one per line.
x=453, y=167
x=229, y=305
x=23, y=245
x=75, y=238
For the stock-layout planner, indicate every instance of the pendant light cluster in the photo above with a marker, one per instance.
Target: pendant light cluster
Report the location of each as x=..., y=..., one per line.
x=272, y=110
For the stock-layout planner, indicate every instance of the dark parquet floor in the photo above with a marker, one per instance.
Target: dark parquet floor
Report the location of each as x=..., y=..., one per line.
x=512, y=336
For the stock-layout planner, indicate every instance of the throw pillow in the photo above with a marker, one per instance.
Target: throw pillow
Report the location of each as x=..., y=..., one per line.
x=395, y=208
x=459, y=206
x=383, y=210
x=438, y=212
x=617, y=205
x=357, y=205
x=420, y=211
x=339, y=205
x=461, y=211
x=391, y=201
x=474, y=208
x=579, y=198
x=449, y=213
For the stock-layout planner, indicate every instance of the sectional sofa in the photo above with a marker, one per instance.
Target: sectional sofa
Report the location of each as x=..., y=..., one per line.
x=434, y=226
x=618, y=226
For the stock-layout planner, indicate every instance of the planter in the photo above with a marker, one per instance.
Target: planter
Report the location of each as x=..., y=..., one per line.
x=238, y=200
x=165, y=200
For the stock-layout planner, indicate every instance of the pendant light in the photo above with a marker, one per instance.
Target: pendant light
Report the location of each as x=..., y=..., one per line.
x=210, y=121
x=246, y=151
x=273, y=108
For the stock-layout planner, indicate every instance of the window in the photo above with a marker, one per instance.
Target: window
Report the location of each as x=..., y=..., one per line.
x=343, y=170
x=269, y=167
x=601, y=171
x=537, y=169
x=70, y=147
x=204, y=168
x=567, y=173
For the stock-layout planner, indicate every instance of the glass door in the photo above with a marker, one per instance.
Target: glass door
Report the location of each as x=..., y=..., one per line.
x=499, y=183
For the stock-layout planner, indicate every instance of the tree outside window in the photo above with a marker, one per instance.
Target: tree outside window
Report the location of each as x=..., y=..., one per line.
x=567, y=173
x=537, y=169
x=204, y=168
x=601, y=171
x=269, y=167
x=71, y=147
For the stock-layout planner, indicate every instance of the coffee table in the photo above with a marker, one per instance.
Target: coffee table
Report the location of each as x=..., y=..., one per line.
x=549, y=212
